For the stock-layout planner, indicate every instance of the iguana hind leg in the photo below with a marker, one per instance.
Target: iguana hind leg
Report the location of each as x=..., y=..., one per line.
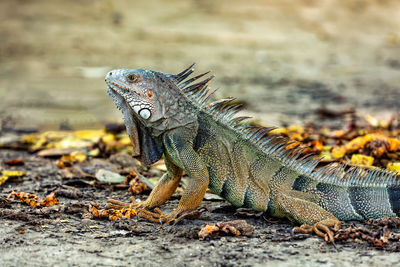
x=313, y=217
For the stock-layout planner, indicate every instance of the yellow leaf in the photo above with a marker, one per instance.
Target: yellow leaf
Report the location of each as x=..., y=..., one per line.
x=7, y=174
x=363, y=160
x=371, y=120
x=326, y=155
x=13, y=173
x=125, y=140
x=94, y=152
x=70, y=142
x=108, y=138
x=296, y=128
x=338, y=152
x=78, y=156
x=92, y=135
x=394, y=166
x=279, y=131
x=3, y=179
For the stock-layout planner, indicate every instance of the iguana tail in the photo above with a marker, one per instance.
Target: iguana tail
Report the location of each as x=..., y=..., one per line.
x=355, y=194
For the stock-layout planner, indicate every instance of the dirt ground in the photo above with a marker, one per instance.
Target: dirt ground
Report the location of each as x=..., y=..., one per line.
x=282, y=59
x=66, y=235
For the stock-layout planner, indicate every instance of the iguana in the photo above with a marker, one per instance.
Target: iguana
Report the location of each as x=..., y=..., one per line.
x=169, y=115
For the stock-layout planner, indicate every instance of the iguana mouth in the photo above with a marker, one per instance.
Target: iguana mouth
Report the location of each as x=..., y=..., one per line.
x=139, y=107
x=146, y=148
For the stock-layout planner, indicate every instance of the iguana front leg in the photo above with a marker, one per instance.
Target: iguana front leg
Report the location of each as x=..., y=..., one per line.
x=179, y=156
x=313, y=217
x=164, y=189
x=179, y=148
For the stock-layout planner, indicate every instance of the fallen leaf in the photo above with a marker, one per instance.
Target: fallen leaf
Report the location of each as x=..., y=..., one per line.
x=111, y=214
x=371, y=120
x=5, y=175
x=33, y=200
x=394, y=166
x=14, y=162
x=106, y=176
x=236, y=228
x=55, y=152
x=13, y=173
x=362, y=160
x=69, y=160
x=68, y=191
x=317, y=144
x=379, y=238
x=3, y=179
x=136, y=186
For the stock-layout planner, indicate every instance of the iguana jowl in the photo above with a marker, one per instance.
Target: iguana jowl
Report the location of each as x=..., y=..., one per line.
x=168, y=114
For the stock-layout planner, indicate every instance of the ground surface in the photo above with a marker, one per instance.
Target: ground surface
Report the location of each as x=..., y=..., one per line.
x=282, y=59
x=65, y=234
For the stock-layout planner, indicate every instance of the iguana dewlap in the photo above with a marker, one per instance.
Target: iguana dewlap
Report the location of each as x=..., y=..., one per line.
x=168, y=115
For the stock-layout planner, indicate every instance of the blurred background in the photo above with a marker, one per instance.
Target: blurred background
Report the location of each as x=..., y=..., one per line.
x=282, y=59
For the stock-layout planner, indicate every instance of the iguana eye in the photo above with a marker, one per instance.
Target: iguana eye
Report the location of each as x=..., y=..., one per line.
x=145, y=113
x=132, y=78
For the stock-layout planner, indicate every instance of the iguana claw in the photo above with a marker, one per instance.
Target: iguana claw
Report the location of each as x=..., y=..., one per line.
x=175, y=216
x=319, y=229
x=156, y=215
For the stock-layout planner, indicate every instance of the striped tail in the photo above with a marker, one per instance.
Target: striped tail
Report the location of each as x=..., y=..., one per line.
x=394, y=198
x=355, y=194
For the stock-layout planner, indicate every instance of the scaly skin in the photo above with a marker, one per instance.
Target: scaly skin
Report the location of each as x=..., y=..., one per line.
x=166, y=115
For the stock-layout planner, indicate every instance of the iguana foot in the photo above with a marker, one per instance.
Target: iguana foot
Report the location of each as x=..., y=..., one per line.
x=156, y=215
x=321, y=229
x=139, y=207
x=175, y=216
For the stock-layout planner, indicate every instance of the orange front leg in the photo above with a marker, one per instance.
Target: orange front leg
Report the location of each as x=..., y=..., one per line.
x=158, y=196
x=166, y=186
x=179, y=156
x=179, y=148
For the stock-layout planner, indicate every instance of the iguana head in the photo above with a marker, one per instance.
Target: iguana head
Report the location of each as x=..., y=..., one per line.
x=137, y=91
x=152, y=103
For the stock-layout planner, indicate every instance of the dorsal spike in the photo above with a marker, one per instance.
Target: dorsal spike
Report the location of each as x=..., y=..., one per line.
x=274, y=145
x=184, y=84
x=197, y=86
x=183, y=74
x=239, y=120
x=214, y=104
x=210, y=95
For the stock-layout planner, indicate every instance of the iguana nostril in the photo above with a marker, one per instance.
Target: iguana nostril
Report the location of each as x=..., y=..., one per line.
x=109, y=74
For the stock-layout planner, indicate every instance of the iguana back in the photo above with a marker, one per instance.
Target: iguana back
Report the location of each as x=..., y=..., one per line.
x=246, y=166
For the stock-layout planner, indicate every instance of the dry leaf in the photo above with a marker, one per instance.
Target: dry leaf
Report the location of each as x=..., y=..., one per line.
x=362, y=160
x=112, y=214
x=33, y=200
x=394, y=166
x=5, y=175
x=237, y=227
